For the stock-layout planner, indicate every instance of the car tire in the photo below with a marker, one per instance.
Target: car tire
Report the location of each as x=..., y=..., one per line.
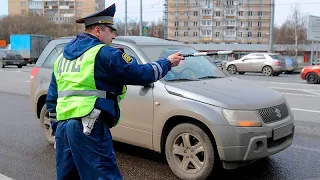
x=267, y=71
x=232, y=69
x=312, y=78
x=46, y=125
x=19, y=66
x=204, y=159
x=241, y=73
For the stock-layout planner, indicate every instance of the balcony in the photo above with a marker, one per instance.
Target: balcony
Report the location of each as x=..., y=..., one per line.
x=229, y=38
x=205, y=38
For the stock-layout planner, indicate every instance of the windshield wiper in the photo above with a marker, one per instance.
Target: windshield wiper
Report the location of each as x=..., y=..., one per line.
x=183, y=79
x=209, y=77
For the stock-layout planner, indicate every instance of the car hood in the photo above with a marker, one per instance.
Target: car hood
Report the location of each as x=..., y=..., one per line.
x=230, y=93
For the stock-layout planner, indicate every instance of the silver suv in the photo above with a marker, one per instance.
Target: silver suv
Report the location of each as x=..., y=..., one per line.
x=269, y=64
x=196, y=115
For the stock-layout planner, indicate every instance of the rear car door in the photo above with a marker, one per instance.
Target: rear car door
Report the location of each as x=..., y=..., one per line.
x=257, y=62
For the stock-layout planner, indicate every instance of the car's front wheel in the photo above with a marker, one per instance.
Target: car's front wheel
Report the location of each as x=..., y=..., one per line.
x=190, y=152
x=232, y=69
x=312, y=78
x=46, y=125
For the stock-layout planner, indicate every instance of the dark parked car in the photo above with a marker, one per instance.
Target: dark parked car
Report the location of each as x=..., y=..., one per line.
x=10, y=57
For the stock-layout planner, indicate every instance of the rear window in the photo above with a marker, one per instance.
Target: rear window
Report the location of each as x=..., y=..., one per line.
x=52, y=57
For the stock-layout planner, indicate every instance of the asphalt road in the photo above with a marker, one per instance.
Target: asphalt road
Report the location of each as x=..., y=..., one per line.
x=25, y=155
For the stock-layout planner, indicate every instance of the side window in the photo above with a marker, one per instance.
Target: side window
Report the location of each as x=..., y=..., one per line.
x=260, y=56
x=52, y=57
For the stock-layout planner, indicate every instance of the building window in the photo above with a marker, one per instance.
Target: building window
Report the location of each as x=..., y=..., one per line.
x=79, y=3
x=176, y=14
x=218, y=2
x=249, y=34
x=195, y=23
x=195, y=13
x=230, y=12
x=260, y=13
x=249, y=24
x=218, y=13
x=249, y=13
x=185, y=33
x=207, y=2
x=217, y=23
x=197, y=2
x=185, y=2
x=229, y=33
x=79, y=12
x=195, y=33
x=206, y=32
x=259, y=34
x=250, y=2
x=176, y=34
x=230, y=22
x=22, y=4
x=176, y=23
x=241, y=2
x=240, y=13
x=23, y=11
x=217, y=34
x=259, y=24
x=229, y=2
x=206, y=22
x=186, y=23
x=186, y=13
x=206, y=12
x=260, y=2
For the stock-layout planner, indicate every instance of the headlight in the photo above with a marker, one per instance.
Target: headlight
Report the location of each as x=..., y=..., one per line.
x=242, y=118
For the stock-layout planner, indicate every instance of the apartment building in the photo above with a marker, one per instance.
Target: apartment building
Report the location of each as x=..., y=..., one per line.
x=218, y=21
x=59, y=11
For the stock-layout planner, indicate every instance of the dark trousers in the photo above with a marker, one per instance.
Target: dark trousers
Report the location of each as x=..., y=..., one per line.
x=79, y=156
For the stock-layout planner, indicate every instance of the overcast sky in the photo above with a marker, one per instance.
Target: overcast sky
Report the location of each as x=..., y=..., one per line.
x=153, y=9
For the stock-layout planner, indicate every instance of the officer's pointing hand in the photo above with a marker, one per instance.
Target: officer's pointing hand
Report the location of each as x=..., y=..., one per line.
x=175, y=58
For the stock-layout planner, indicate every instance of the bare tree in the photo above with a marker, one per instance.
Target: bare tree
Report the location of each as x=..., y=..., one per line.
x=156, y=29
x=296, y=24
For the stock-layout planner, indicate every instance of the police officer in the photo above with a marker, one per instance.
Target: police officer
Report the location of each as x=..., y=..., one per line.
x=90, y=76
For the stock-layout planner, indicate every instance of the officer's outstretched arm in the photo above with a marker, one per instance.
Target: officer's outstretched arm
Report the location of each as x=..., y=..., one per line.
x=51, y=101
x=125, y=70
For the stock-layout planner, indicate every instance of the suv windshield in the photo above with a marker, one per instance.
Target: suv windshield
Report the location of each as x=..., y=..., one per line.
x=192, y=68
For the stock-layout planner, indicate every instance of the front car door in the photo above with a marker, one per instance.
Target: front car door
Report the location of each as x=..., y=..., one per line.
x=244, y=64
x=136, y=122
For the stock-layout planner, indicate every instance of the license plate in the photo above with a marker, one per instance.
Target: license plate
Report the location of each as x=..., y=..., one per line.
x=283, y=131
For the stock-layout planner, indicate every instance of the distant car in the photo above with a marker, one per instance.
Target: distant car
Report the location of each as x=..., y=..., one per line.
x=218, y=62
x=311, y=74
x=270, y=64
x=291, y=65
x=10, y=57
x=316, y=62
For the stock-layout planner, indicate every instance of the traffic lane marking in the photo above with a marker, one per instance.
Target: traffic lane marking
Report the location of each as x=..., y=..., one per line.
x=305, y=110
